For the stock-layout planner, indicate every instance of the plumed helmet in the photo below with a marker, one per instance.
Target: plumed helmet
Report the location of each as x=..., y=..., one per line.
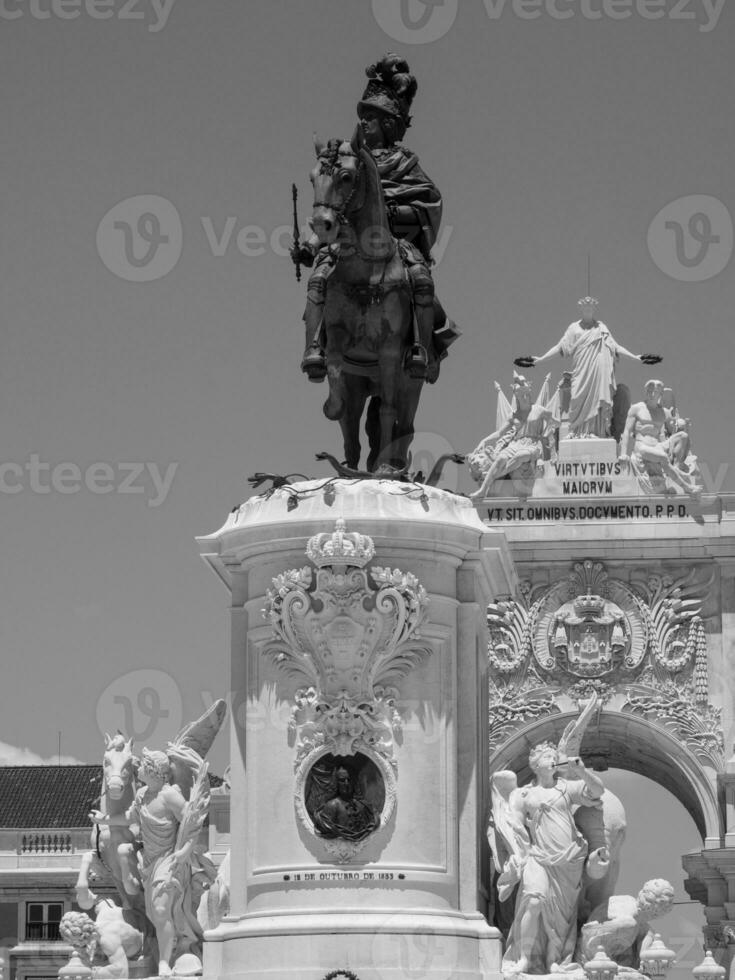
x=390, y=89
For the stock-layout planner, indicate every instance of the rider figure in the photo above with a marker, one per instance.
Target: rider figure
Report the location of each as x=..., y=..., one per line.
x=414, y=207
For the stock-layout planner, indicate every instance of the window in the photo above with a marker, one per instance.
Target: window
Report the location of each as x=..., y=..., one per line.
x=42, y=920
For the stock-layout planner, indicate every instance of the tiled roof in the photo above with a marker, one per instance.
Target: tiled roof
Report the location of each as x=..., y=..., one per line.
x=48, y=796
x=51, y=796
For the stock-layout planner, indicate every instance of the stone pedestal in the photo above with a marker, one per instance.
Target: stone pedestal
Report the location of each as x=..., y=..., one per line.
x=410, y=899
x=584, y=469
x=584, y=450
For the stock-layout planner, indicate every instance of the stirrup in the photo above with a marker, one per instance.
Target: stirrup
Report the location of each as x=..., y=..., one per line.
x=416, y=363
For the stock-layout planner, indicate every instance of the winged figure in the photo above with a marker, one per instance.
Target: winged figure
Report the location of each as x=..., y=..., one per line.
x=537, y=846
x=170, y=810
x=570, y=742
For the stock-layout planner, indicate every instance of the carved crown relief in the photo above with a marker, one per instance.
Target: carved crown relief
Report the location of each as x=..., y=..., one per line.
x=351, y=634
x=640, y=646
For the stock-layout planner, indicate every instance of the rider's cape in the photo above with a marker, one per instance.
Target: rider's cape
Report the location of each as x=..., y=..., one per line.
x=405, y=183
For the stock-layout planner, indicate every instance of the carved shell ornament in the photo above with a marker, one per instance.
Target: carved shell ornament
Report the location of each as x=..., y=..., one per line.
x=640, y=645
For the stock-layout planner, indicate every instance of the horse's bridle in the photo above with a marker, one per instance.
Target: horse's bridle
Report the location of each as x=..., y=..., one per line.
x=343, y=209
x=334, y=170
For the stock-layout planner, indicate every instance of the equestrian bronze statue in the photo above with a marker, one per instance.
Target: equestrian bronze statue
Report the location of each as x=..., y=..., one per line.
x=374, y=327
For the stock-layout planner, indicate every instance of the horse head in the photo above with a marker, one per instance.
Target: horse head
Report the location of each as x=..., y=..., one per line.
x=339, y=186
x=118, y=765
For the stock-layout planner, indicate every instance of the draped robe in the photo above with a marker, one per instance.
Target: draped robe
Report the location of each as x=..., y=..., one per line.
x=594, y=352
x=552, y=871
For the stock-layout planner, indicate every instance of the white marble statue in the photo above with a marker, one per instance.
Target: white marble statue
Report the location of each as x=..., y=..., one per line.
x=118, y=939
x=122, y=927
x=537, y=846
x=113, y=843
x=215, y=903
x=657, y=445
x=80, y=932
x=519, y=442
x=170, y=810
x=110, y=934
x=594, y=352
x=601, y=827
x=621, y=924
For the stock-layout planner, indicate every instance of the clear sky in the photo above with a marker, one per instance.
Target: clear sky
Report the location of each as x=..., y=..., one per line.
x=549, y=137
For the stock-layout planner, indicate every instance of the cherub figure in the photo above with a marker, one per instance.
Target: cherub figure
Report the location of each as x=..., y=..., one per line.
x=621, y=924
x=170, y=810
x=537, y=846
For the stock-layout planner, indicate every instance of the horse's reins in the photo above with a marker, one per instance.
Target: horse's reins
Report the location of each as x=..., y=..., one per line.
x=341, y=211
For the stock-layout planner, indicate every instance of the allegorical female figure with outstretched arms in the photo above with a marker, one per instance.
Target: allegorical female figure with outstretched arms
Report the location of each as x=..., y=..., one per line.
x=594, y=352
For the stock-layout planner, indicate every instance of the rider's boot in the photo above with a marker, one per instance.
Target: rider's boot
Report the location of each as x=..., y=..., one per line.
x=418, y=359
x=314, y=363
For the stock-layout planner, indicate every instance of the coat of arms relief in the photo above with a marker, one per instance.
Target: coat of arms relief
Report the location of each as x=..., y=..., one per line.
x=350, y=634
x=639, y=645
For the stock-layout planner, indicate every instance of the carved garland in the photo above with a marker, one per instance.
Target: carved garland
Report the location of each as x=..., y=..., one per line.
x=351, y=635
x=510, y=708
x=699, y=727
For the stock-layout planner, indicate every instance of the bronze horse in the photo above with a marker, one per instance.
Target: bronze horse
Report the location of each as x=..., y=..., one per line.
x=368, y=326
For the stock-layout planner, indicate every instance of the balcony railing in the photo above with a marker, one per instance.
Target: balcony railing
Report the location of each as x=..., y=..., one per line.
x=36, y=844
x=45, y=842
x=42, y=931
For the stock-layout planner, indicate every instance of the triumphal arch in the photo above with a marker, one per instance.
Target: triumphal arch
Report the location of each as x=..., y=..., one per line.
x=626, y=596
